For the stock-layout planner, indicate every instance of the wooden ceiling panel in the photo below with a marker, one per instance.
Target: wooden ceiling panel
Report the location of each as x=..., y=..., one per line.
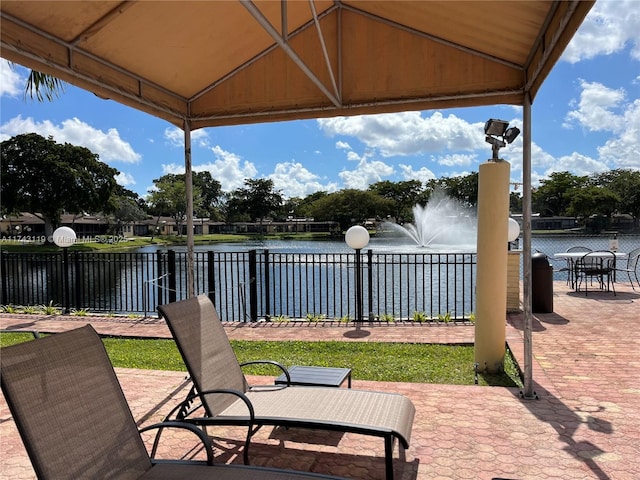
x=426, y=68
x=182, y=49
x=501, y=29
x=63, y=19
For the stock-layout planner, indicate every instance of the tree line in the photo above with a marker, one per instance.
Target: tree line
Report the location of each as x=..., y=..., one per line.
x=47, y=179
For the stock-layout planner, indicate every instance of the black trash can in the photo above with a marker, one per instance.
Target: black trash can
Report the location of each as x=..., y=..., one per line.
x=541, y=284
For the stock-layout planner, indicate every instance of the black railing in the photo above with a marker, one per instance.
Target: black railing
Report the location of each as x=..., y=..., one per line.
x=247, y=286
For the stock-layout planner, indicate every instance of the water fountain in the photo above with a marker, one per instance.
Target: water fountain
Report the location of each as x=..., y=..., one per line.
x=443, y=224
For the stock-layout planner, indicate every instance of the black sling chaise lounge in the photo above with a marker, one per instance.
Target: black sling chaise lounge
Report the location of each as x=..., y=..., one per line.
x=214, y=368
x=76, y=424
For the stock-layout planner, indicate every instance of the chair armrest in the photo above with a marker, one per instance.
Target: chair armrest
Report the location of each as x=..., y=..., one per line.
x=270, y=362
x=184, y=412
x=206, y=441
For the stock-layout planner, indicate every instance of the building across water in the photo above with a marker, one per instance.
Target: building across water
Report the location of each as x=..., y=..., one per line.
x=28, y=225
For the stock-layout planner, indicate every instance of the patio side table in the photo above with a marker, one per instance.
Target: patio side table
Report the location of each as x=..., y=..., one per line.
x=316, y=376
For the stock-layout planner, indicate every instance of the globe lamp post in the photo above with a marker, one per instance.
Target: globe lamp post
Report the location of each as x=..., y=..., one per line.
x=357, y=237
x=513, y=232
x=64, y=237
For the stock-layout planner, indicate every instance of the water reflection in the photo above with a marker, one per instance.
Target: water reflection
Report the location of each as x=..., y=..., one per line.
x=380, y=244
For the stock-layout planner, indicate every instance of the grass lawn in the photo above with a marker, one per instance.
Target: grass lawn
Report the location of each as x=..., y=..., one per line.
x=136, y=242
x=389, y=362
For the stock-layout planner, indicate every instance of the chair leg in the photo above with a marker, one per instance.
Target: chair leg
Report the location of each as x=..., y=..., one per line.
x=247, y=444
x=251, y=431
x=388, y=456
x=610, y=280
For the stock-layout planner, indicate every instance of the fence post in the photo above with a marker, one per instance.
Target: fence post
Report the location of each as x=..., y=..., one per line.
x=171, y=267
x=77, y=279
x=4, y=272
x=370, y=283
x=211, y=277
x=160, y=292
x=253, y=287
x=65, y=270
x=267, y=285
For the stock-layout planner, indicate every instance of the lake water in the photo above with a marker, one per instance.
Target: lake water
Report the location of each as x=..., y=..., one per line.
x=547, y=244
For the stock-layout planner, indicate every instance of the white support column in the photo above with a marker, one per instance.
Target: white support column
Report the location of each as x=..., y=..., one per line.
x=491, y=276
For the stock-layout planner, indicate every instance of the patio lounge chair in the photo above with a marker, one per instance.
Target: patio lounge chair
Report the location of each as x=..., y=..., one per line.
x=213, y=367
x=75, y=422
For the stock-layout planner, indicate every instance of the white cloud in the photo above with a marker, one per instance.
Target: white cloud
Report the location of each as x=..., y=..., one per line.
x=175, y=137
x=125, y=179
x=623, y=151
x=108, y=145
x=366, y=173
x=407, y=133
x=577, y=164
x=172, y=168
x=596, y=109
x=353, y=156
x=455, y=159
x=539, y=158
x=608, y=28
x=343, y=145
x=228, y=168
x=294, y=180
x=11, y=82
x=423, y=174
x=606, y=110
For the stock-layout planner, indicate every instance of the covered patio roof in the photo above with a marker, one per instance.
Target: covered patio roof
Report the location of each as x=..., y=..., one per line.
x=231, y=62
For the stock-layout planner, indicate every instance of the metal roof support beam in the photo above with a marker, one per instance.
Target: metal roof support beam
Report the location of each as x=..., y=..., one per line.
x=282, y=43
x=550, y=46
x=188, y=179
x=264, y=53
x=528, y=392
x=324, y=50
x=102, y=22
x=408, y=102
x=97, y=83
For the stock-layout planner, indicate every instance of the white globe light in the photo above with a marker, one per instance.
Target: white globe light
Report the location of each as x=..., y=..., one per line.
x=514, y=230
x=64, y=237
x=357, y=237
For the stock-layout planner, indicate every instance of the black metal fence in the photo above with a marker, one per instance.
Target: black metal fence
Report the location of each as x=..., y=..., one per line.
x=247, y=286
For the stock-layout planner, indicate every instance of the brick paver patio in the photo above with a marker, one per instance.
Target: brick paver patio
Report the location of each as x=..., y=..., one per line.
x=584, y=423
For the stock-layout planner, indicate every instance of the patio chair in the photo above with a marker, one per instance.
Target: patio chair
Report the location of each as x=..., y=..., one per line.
x=570, y=265
x=75, y=422
x=631, y=268
x=598, y=265
x=213, y=367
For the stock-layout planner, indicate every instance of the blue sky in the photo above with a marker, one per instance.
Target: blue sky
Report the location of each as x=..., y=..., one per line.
x=586, y=119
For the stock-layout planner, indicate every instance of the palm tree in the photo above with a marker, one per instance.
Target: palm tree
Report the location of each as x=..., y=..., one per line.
x=42, y=85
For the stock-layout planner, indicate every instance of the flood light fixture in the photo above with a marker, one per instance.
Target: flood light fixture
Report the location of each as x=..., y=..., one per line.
x=499, y=135
x=496, y=127
x=511, y=134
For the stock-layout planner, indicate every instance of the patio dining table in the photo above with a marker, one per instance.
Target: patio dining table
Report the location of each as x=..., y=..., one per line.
x=573, y=257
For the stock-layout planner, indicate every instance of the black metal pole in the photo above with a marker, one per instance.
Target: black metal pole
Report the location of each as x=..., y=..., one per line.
x=65, y=269
x=369, y=284
x=358, y=287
